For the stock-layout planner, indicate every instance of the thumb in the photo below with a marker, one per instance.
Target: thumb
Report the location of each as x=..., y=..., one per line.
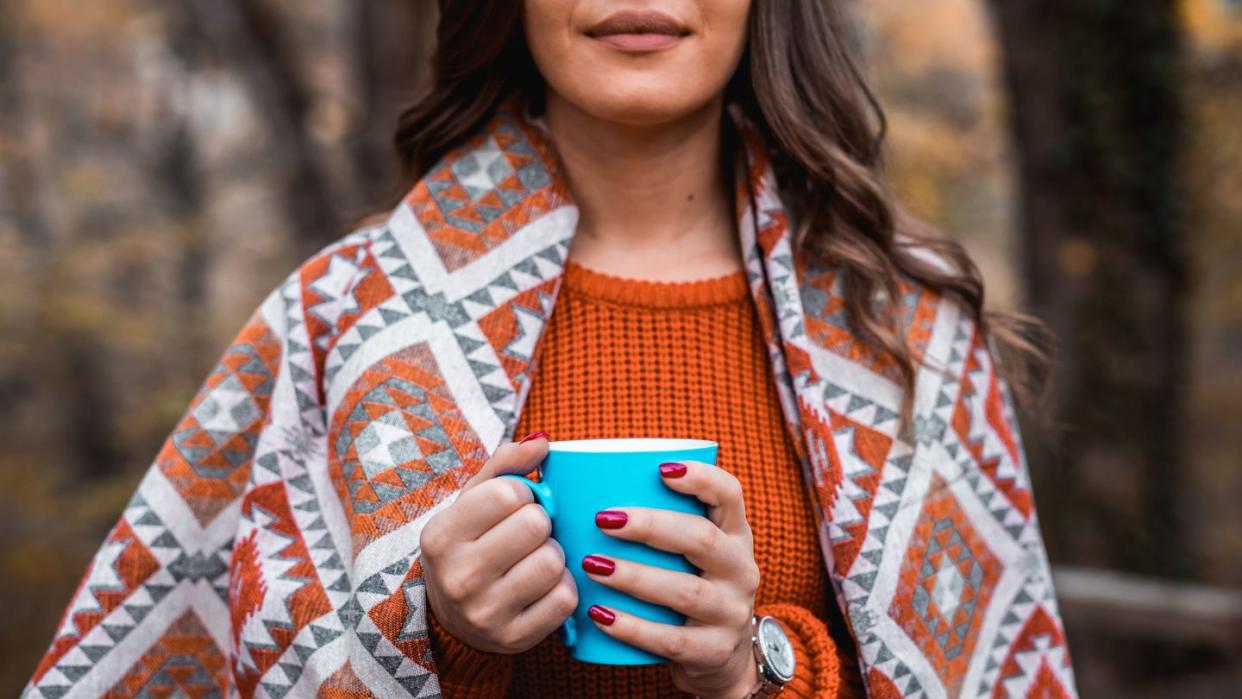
x=517, y=458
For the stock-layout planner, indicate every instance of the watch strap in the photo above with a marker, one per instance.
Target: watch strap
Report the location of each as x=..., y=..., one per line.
x=766, y=688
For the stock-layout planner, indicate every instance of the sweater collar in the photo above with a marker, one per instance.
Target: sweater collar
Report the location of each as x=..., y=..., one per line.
x=655, y=295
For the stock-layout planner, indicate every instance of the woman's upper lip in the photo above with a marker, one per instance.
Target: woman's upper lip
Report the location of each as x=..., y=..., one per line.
x=638, y=22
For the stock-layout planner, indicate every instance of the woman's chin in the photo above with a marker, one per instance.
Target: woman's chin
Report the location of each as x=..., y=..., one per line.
x=651, y=102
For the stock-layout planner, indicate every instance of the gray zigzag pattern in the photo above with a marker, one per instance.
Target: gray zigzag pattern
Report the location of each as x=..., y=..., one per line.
x=455, y=314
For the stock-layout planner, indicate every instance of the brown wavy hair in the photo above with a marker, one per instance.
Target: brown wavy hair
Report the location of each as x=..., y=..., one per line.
x=799, y=85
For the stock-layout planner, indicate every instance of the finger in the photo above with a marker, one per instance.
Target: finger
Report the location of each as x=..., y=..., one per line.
x=542, y=616
x=533, y=576
x=684, y=645
x=697, y=598
x=480, y=509
x=712, y=485
x=511, y=457
x=514, y=538
x=704, y=544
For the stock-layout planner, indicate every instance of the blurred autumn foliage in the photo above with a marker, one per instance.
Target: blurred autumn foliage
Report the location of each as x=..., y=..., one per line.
x=162, y=165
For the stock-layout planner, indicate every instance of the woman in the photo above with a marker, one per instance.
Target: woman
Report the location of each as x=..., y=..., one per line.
x=326, y=519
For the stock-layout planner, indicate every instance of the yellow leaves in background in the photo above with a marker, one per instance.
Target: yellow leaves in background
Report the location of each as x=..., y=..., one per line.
x=72, y=23
x=1076, y=257
x=934, y=66
x=1214, y=26
x=951, y=33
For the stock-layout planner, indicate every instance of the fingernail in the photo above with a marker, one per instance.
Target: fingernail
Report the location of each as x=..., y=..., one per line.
x=533, y=435
x=672, y=469
x=601, y=615
x=610, y=519
x=598, y=565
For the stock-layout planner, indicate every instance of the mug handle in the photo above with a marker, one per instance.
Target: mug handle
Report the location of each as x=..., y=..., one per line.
x=543, y=496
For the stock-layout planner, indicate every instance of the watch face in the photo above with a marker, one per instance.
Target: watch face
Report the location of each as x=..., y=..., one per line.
x=777, y=650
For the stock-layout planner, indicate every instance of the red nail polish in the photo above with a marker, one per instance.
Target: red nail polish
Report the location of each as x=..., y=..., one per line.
x=533, y=435
x=610, y=519
x=601, y=615
x=598, y=565
x=672, y=470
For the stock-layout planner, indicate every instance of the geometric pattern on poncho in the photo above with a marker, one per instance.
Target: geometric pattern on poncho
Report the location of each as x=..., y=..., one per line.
x=271, y=548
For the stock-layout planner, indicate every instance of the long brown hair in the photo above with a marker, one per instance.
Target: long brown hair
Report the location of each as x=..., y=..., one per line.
x=798, y=84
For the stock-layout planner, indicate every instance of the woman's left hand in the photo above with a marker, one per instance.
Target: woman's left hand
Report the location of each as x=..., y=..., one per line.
x=711, y=655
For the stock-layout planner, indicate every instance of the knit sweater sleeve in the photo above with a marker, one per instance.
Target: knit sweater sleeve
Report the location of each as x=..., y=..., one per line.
x=464, y=671
x=818, y=666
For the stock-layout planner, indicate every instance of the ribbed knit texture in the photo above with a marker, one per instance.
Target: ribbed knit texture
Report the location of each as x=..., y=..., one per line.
x=626, y=357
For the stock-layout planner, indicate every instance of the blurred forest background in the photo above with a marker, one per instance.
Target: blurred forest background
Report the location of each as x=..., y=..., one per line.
x=164, y=164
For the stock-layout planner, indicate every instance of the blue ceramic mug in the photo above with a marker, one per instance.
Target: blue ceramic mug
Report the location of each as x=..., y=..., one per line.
x=581, y=477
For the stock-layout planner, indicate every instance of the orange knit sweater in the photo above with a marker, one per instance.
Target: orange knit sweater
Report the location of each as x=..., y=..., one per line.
x=627, y=357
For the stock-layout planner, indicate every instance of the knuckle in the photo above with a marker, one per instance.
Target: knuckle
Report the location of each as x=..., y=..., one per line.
x=472, y=616
x=704, y=537
x=534, y=522
x=648, y=525
x=548, y=562
x=637, y=526
x=433, y=540
x=740, y=615
x=506, y=449
x=509, y=639
x=556, y=552
x=451, y=591
x=673, y=645
x=719, y=653
x=692, y=595
x=452, y=594
x=751, y=578
x=565, y=600
x=640, y=524
x=481, y=616
x=456, y=584
x=505, y=493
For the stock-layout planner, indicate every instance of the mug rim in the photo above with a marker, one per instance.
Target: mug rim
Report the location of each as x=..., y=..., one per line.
x=629, y=445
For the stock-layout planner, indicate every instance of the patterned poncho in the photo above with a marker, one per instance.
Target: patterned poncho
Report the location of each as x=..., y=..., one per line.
x=272, y=547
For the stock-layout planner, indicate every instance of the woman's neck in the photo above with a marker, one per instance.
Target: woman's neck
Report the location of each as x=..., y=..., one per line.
x=652, y=200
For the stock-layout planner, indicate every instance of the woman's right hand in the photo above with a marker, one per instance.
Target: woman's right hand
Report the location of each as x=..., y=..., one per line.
x=494, y=578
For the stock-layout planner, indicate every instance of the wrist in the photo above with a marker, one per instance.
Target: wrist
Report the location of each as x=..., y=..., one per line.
x=750, y=680
x=739, y=688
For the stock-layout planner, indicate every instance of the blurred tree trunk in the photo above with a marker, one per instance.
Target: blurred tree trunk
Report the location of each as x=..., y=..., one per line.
x=68, y=365
x=388, y=44
x=393, y=40
x=174, y=166
x=1096, y=118
x=21, y=198
x=250, y=34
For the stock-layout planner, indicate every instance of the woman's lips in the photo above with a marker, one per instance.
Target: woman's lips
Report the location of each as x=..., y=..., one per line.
x=631, y=30
x=639, y=42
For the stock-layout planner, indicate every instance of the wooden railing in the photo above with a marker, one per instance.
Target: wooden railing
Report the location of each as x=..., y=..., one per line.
x=1137, y=606
x=1108, y=612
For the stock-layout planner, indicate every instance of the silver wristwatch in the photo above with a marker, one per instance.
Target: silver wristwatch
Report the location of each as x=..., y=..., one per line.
x=773, y=653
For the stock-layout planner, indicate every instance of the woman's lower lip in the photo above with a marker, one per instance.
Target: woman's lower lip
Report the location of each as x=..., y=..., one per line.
x=639, y=42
